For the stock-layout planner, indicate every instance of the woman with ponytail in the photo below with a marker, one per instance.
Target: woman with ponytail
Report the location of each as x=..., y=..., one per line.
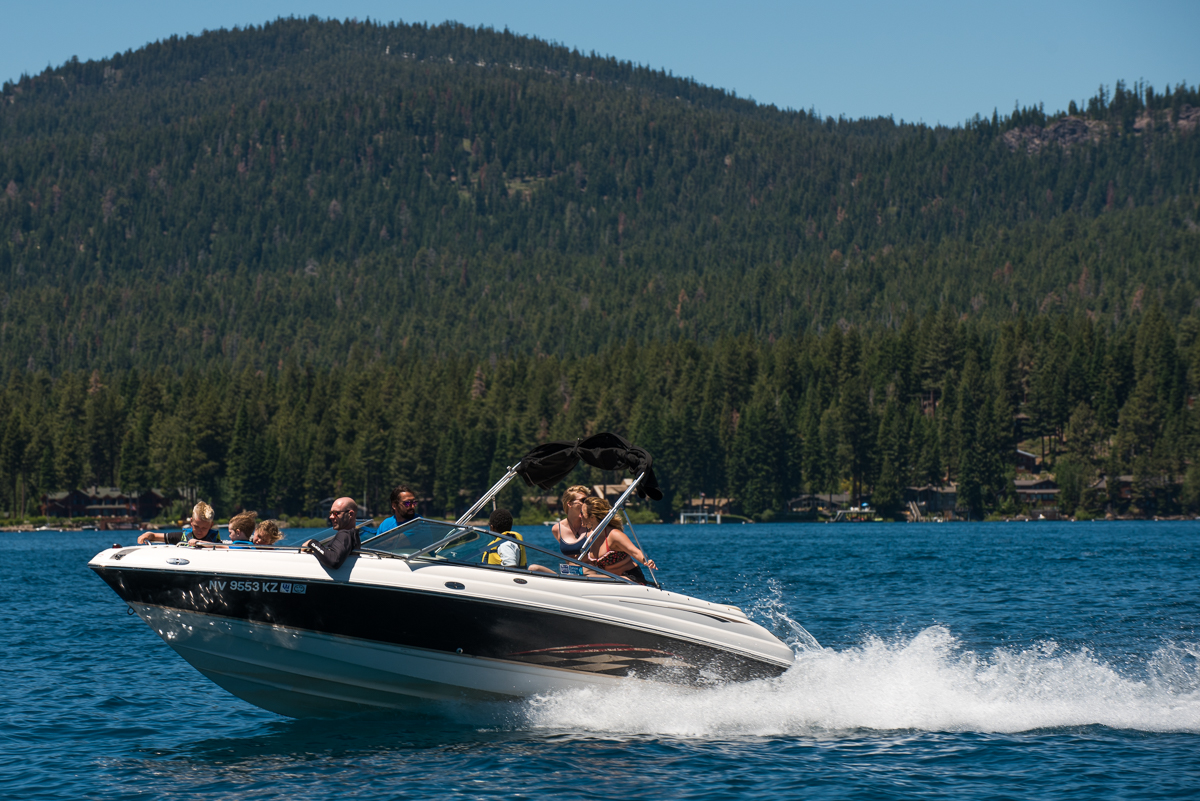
x=612, y=550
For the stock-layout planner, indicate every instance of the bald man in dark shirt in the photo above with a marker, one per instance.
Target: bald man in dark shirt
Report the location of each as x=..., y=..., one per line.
x=343, y=516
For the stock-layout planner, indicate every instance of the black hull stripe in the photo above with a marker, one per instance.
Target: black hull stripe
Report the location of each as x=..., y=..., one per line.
x=441, y=622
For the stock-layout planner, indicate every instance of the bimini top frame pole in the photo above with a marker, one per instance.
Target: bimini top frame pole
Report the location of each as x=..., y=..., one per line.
x=487, y=496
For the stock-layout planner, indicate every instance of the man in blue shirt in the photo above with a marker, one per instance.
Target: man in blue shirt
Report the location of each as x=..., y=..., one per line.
x=404, y=508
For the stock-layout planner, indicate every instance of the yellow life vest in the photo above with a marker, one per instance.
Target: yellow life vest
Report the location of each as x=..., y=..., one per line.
x=491, y=556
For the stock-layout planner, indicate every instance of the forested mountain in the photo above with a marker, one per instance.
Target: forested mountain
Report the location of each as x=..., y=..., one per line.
x=262, y=264
x=441, y=190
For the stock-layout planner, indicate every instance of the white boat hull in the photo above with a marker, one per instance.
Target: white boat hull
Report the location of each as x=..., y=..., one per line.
x=278, y=630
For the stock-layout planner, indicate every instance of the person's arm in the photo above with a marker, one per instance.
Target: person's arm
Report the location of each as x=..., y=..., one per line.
x=159, y=536
x=333, y=553
x=617, y=541
x=195, y=543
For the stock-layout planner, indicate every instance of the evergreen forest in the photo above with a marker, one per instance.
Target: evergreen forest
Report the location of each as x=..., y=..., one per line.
x=266, y=265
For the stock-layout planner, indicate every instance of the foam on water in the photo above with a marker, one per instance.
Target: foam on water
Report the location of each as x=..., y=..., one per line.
x=772, y=611
x=927, y=682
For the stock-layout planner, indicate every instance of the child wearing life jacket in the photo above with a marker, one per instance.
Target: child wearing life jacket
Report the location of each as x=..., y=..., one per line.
x=500, y=551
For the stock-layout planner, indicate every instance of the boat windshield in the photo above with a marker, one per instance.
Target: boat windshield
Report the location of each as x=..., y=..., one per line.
x=432, y=539
x=417, y=535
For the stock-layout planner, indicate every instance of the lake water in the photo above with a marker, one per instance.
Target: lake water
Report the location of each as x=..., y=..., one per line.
x=999, y=660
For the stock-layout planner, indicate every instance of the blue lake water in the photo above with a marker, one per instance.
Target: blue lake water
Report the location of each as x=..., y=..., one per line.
x=1000, y=660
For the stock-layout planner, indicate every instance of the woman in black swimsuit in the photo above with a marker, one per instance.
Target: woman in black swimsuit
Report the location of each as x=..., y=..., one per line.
x=572, y=530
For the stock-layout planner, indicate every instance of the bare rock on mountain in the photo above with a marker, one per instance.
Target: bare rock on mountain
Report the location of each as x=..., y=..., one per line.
x=1188, y=118
x=1075, y=130
x=1065, y=132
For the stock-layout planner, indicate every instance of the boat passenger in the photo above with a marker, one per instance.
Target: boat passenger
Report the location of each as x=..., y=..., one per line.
x=404, y=508
x=572, y=530
x=612, y=550
x=267, y=533
x=504, y=552
x=202, y=528
x=343, y=516
x=241, y=530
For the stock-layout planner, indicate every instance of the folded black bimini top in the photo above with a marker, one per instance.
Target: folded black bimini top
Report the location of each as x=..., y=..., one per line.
x=548, y=464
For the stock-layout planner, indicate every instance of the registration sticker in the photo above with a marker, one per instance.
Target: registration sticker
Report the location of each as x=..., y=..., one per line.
x=570, y=570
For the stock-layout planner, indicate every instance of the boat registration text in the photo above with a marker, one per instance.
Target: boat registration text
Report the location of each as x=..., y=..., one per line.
x=259, y=586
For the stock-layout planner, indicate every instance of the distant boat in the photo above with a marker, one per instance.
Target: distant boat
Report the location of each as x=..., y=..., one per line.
x=47, y=527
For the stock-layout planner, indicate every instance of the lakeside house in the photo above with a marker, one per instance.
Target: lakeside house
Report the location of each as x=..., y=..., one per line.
x=1124, y=486
x=933, y=499
x=808, y=502
x=551, y=503
x=1039, y=495
x=103, y=502
x=610, y=492
x=704, y=509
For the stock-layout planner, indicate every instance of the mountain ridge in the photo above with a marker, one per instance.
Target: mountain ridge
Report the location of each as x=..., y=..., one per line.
x=151, y=201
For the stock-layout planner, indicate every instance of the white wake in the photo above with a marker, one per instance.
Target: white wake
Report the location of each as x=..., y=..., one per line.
x=928, y=682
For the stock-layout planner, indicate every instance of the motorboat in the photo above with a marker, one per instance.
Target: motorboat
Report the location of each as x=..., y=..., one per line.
x=419, y=616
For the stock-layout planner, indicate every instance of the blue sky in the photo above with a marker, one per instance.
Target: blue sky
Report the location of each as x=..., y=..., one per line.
x=935, y=61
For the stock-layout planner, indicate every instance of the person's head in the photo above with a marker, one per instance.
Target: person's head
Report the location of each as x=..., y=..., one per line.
x=404, y=503
x=343, y=514
x=572, y=502
x=267, y=533
x=241, y=527
x=501, y=521
x=202, y=518
x=597, y=508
